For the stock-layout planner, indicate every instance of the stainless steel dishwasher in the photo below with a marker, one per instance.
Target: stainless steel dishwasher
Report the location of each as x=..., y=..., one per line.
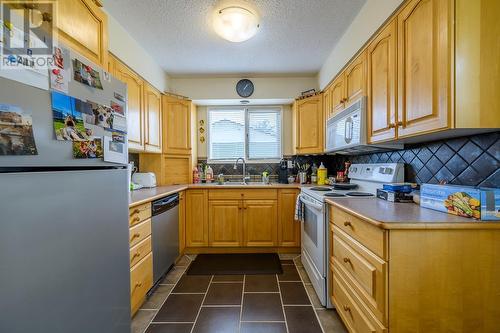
x=165, y=234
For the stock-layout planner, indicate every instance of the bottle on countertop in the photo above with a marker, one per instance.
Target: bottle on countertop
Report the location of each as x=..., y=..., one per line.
x=209, y=174
x=322, y=174
x=196, y=175
x=314, y=174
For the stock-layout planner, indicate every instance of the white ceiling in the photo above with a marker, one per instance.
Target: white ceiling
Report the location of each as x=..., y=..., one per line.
x=295, y=36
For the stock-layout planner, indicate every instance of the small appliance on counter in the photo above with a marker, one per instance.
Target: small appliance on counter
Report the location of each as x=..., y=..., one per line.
x=144, y=179
x=283, y=172
x=396, y=192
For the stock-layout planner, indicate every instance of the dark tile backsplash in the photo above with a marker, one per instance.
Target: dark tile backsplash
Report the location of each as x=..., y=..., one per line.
x=472, y=160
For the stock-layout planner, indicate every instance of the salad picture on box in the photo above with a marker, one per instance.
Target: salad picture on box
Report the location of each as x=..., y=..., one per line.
x=462, y=204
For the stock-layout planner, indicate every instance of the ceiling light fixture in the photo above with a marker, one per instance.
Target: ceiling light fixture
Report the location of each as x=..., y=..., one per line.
x=236, y=24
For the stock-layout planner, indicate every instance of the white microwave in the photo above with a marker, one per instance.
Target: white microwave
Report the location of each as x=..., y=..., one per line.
x=346, y=132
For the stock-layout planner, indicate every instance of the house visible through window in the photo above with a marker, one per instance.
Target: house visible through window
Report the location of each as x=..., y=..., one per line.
x=252, y=133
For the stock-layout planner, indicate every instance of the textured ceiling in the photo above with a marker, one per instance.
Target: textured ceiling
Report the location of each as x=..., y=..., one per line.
x=295, y=36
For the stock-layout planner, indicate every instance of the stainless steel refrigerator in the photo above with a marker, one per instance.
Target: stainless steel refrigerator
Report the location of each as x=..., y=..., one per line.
x=64, y=251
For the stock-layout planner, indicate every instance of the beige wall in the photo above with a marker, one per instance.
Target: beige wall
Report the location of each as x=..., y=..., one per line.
x=130, y=52
x=369, y=19
x=220, y=88
x=201, y=112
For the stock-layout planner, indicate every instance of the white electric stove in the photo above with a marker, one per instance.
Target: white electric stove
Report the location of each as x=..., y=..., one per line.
x=365, y=179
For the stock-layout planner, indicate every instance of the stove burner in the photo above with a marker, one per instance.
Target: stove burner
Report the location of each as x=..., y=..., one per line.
x=334, y=195
x=323, y=189
x=359, y=194
x=344, y=186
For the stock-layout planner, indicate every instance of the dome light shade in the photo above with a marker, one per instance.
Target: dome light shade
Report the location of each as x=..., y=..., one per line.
x=235, y=24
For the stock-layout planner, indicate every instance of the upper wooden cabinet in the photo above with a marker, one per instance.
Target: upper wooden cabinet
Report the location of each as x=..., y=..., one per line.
x=135, y=104
x=338, y=94
x=425, y=59
x=176, y=126
x=355, y=79
x=83, y=26
x=382, y=67
x=309, y=125
x=153, y=128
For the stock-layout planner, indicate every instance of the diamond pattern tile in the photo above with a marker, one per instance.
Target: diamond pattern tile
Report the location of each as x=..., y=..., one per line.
x=444, y=153
x=470, y=152
x=456, y=165
x=425, y=154
x=434, y=164
x=469, y=177
x=486, y=140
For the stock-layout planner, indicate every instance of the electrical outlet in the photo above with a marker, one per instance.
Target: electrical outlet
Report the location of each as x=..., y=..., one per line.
x=290, y=164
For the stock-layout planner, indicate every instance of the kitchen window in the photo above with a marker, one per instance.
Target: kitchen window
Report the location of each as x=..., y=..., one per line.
x=252, y=133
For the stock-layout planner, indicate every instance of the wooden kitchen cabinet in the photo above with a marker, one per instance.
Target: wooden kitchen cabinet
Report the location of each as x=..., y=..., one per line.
x=288, y=227
x=425, y=59
x=225, y=223
x=153, y=121
x=135, y=104
x=309, y=125
x=382, y=81
x=355, y=79
x=260, y=225
x=338, y=94
x=197, y=218
x=176, y=125
x=182, y=222
x=141, y=280
x=83, y=26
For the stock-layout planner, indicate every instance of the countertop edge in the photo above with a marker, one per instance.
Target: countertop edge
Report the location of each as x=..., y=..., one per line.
x=157, y=196
x=417, y=225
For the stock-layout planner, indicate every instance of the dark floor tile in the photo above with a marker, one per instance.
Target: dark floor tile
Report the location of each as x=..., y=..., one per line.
x=331, y=321
x=224, y=294
x=263, y=328
x=289, y=274
x=262, y=307
x=228, y=278
x=294, y=293
x=169, y=328
x=192, y=284
x=287, y=262
x=180, y=308
x=158, y=297
x=218, y=320
x=302, y=319
x=261, y=283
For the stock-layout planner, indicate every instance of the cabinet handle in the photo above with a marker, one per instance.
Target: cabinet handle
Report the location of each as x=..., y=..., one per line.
x=347, y=260
x=348, y=224
x=346, y=308
x=138, y=284
x=392, y=125
x=136, y=219
x=137, y=254
x=136, y=211
x=135, y=236
x=399, y=123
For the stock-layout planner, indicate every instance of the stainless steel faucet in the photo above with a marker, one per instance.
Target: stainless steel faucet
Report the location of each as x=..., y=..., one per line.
x=244, y=169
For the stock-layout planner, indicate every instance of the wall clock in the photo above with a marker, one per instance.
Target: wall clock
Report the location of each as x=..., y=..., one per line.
x=245, y=88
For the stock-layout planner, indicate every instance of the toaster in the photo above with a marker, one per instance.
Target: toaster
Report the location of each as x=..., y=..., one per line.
x=145, y=179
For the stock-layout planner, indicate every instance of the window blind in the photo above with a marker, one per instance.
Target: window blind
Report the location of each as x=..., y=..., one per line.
x=226, y=134
x=264, y=134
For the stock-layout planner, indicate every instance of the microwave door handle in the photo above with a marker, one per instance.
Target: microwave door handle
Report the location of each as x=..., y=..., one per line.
x=352, y=130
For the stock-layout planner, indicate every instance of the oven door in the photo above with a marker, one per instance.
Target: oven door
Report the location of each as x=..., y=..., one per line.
x=313, y=232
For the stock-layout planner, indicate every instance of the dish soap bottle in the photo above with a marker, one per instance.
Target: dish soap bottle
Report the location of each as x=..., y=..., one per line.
x=322, y=174
x=209, y=174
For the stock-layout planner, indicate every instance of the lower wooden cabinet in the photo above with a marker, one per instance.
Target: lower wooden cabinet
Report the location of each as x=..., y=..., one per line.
x=197, y=218
x=225, y=223
x=141, y=280
x=260, y=225
x=288, y=227
x=182, y=221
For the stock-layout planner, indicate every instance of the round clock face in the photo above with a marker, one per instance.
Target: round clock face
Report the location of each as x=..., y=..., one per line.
x=244, y=88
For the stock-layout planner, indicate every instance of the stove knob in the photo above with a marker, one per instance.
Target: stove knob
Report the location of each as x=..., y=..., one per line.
x=388, y=171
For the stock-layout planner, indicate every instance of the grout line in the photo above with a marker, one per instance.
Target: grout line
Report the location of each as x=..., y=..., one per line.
x=220, y=306
x=173, y=322
x=200, y=293
x=263, y=321
x=215, y=282
x=242, y=297
x=201, y=305
x=282, y=307
x=145, y=329
x=262, y=292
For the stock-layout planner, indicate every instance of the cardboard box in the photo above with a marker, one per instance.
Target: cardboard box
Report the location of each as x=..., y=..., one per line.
x=490, y=204
x=452, y=199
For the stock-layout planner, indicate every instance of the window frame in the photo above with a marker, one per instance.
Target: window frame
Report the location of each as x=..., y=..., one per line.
x=246, y=110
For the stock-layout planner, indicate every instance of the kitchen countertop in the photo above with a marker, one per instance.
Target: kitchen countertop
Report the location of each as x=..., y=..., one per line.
x=391, y=215
x=144, y=195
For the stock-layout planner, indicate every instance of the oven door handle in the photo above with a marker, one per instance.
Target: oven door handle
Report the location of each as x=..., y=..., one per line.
x=310, y=204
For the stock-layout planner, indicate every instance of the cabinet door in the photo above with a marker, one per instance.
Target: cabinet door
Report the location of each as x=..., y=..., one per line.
x=135, y=105
x=327, y=103
x=355, y=79
x=338, y=93
x=152, y=98
x=225, y=223
x=260, y=223
x=425, y=59
x=177, y=126
x=182, y=222
x=381, y=54
x=310, y=125
x=83, y=26
x=196, y=218
x=288, y=227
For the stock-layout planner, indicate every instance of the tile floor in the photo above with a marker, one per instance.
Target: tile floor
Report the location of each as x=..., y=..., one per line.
x=236, y=303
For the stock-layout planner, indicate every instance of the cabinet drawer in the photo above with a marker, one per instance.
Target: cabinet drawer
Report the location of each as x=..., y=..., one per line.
x=355, y=317
x=139, y=213
x=140, y=251
x=141, y=280
x=365, y=272
x=139, y=232
x=234, y=194
x=368, y=235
